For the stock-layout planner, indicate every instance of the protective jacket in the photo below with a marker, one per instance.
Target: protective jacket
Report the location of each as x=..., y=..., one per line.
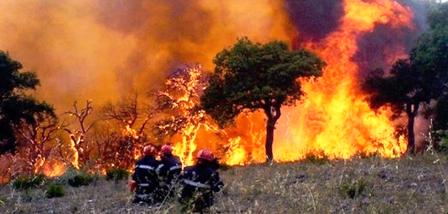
x=146, y=178
x=199, y=184
x=169, y=169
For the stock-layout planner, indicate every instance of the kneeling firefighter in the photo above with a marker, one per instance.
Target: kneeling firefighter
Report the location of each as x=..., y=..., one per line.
x=169, y=171
x=145, y=181
x=200, y=182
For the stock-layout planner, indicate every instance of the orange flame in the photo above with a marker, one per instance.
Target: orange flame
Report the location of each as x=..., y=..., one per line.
x=333, y=121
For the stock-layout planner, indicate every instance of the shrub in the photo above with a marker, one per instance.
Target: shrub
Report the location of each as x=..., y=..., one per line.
x=317, y=159
x=117, y=174
x=353, y=189
x=27, y=182
x=81, y=179
x=55, y=191
x=75, y=178
x=443, y=145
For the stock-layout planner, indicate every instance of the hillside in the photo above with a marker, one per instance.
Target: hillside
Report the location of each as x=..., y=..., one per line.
x=365, y=185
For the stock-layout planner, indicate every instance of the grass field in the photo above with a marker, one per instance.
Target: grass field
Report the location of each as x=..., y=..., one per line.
x=365, y=185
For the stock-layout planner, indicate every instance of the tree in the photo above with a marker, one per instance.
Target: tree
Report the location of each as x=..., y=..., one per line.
x=16, y=106
x=128, y=114
x=79, y=147
x=421, y=78
x=252, y=76
x=404, y=89
x=431, y=57
x=176, y=103
x=35, y=140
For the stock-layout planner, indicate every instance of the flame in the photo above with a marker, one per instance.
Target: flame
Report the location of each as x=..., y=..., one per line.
x=333, y=121
x=53, y=168
x=73, y=152
x=128, y=131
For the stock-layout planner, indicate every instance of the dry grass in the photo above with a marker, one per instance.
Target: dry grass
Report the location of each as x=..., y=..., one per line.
x=370, y=185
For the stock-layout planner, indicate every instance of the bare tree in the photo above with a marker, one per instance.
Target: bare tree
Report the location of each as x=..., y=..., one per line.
x=35, y=138
x=79, y=132
x=128, y=114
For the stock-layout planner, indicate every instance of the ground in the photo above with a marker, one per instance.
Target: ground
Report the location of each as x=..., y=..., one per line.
x=416, y=184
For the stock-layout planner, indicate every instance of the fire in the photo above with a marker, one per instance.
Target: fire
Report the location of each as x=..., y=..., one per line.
x=333, y=121
x=53, y=169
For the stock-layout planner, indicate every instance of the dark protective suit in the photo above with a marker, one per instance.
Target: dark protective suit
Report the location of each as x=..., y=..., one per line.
x=169, y=170
x=199, y=184
x=146, y=178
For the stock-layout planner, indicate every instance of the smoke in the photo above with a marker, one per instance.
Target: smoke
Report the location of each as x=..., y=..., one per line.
x=381, y=47
x=315, y=19
x=102, y=49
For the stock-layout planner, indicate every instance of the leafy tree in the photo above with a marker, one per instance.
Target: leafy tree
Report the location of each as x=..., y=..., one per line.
x=16, y=106
x=431, y=57
x=403, y=89
x=251, y=76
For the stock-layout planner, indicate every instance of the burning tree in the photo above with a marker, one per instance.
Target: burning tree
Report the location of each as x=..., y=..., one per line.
x=37, y=140
x=404, y=90
x=80, y=150
x=128, y=114
x=123, y=146
x=418, y=80
x=177, y=108
x=252, y=76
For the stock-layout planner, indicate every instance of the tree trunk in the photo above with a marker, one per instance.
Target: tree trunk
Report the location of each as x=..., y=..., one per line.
x=411, y=136
x=273, y=112
x=269, y=140
x=411, y=111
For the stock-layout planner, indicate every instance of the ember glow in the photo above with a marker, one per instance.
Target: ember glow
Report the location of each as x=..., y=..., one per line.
x=77, y=46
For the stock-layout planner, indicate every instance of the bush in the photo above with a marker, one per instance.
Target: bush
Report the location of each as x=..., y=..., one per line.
x=27, y=182
x=81, y=179
x=55, y=191
x=443, y=145
x=117, y=174
x=317, y=159
x=353, y=189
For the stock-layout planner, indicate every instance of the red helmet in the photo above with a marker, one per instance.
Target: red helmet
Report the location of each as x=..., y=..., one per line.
x=149, y=150
x=166, y=149
x=205, y=154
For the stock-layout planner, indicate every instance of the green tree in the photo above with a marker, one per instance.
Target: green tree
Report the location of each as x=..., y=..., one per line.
x=404, y=89
x=251, y=76
x=16, y=106
x=431, y=57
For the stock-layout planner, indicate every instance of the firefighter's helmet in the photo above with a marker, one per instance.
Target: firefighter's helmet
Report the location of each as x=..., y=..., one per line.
x=166, y=149
x=149, y=150
x=205, y=154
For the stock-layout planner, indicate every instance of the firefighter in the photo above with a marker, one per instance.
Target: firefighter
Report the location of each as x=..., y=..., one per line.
x=200, y=182
x=168, y=171
x=145, y=180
